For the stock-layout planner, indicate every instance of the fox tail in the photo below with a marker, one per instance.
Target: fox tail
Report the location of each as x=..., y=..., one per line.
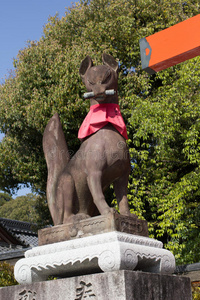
x=57, y=156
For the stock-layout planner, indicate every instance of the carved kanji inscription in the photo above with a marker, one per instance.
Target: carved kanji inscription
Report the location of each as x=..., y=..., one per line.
x=84, y=291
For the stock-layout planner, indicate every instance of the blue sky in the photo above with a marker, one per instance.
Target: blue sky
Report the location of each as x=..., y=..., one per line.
x=22, y=21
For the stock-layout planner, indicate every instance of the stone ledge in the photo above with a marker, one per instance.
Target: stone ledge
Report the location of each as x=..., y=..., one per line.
x=105, y=252
x=92, y=226
x=118, y=285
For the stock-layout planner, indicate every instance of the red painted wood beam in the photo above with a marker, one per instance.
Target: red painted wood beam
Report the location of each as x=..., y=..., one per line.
x=171, y=46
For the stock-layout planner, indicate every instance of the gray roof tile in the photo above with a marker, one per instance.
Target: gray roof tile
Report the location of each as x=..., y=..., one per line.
x=21, y=231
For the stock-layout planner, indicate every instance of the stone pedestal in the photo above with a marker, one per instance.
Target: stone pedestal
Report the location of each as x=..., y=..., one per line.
x=98, y=258
x=93, y=226
x=116, y=285
x=105, y=252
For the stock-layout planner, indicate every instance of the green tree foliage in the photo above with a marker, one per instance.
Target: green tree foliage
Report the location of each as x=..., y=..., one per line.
x=195, y=292
x=30, y=208
x=22, y=208
x=7, y=275
x=4, y=197
x=161, y=111
x=165, y=184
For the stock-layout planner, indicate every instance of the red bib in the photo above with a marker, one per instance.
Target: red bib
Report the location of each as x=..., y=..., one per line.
x=100, y=115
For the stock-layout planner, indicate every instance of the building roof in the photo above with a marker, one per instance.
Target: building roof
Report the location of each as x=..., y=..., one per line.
x=191, y=270
x=15, y=238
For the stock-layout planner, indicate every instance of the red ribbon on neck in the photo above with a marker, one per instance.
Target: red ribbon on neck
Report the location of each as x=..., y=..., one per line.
x=100, y=115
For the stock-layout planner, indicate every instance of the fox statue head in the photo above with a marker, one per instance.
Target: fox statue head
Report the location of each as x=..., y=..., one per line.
x=100, y=81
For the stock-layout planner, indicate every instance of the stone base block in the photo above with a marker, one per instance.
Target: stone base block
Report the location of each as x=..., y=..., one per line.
x=118, y=285
x=105, y=252
x=93, y=226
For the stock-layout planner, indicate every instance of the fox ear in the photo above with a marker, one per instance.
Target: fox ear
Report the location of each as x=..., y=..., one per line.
x=110, y=61
x=85, y=65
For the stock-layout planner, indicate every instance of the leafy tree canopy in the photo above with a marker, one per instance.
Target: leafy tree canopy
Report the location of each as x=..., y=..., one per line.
x=4, y=197
x=7, y=275
x=161, y=111
x=30, y=208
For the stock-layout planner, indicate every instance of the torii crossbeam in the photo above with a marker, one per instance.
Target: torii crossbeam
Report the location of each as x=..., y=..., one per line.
x=171, y=46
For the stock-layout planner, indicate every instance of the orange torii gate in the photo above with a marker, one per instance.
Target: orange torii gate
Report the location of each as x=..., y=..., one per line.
x=171, y=46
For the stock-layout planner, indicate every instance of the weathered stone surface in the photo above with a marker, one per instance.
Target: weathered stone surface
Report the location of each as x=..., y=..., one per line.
x=105, y=252
x=118, y=285
x=91, y=226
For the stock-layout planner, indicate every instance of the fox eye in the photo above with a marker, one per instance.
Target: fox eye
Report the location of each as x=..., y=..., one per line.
x=106, y=77
x=90, y=82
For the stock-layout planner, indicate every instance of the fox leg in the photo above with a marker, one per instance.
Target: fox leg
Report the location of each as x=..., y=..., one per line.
x=95, y=186
x=120, y=188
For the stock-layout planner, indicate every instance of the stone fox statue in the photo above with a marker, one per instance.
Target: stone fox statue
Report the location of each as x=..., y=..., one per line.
x=75, y=187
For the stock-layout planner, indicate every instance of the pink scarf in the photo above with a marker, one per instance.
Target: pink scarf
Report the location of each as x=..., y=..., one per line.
x=100, y=115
